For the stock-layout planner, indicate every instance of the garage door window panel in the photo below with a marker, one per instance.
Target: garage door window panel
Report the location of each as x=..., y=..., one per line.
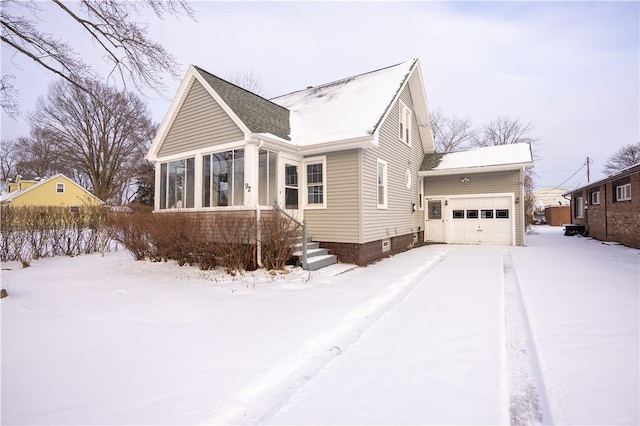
x=502, y=214
x=472, y=214
x=486, y=214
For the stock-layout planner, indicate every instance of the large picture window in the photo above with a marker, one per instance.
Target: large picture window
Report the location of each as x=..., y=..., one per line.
x=176, y=184
x=223, y=179
x=316, y=182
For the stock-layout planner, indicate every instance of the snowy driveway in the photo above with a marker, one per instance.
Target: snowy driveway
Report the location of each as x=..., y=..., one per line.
x=418, y=338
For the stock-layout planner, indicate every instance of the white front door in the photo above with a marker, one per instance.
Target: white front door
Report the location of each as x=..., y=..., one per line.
x=434, y=218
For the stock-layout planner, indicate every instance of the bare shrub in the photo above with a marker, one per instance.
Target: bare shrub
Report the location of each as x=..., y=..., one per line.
x=278, y=235
x=234, y=237
x=132, y=230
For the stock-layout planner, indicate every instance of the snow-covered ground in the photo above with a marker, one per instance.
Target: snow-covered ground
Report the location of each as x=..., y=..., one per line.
x=440, y=334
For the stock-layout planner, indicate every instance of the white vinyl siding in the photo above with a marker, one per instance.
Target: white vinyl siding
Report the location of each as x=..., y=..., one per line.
x=339, y=221
x=398, y=218
x=200, y=123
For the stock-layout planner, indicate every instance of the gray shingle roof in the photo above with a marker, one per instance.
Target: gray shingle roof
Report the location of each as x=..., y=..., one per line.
x=258, y=114
x=431, y=161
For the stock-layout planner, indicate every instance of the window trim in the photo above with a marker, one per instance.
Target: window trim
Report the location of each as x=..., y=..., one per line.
x=308, y=162
x=404, y=123
x=626, y=189
x=596, y=195
x=60, y=185
x=385, y=184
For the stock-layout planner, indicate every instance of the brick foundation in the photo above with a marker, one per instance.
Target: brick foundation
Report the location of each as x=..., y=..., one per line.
x=367, y=253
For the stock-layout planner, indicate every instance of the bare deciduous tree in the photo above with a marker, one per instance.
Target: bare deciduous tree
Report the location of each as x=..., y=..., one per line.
x=135, y=58
x=102, y=135
x=38, y=154
x=246, y=79
x=8, y=158
x=451, y=133
x=504, y=131
x=625, y=157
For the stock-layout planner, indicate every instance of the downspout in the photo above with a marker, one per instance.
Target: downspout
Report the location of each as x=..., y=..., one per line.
x=258, y=237
x=606, y=213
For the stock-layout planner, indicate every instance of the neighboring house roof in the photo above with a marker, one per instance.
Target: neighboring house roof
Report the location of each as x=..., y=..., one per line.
x=24, y=177
x=258, y=114
x=344, y=109
x=619, y=174
x=6, y=198
x=498, y=157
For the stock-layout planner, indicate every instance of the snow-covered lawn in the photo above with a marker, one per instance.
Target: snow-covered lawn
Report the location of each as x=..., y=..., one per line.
x=439, y=334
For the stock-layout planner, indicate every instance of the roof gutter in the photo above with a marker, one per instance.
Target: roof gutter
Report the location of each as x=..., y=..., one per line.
x=476, y=169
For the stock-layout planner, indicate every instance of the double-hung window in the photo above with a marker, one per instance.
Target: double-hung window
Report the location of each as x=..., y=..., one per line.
x=382, y=184
x=316, y=184
x=177, y=184
x=623, y=192
x=60, y=188
x=223, y=179
x=405, y=123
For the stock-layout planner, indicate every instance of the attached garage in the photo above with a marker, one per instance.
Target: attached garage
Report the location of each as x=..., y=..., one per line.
x=469, y=199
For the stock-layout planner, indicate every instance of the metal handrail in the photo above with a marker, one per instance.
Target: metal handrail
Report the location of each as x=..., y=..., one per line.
x=303, y=224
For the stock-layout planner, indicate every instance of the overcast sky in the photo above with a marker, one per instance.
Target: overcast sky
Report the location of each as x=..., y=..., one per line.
x=572, y=69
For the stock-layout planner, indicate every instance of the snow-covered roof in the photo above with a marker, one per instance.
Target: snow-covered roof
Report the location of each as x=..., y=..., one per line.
x=344, y=109
x=499, y=156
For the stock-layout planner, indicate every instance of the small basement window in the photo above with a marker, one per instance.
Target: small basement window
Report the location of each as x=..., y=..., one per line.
x=386, y=245
x=74, y=209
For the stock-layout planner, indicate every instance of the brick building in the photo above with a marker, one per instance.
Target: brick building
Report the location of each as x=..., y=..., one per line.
x=610, y=208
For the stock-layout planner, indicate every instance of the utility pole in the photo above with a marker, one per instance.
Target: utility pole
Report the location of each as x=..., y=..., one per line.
x=588, y=170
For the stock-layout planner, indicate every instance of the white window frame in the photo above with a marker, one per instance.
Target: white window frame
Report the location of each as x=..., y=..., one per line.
x=308, y=162
x=421, y=195
x=60, y=186
x=384, y=184
x=404, y=123
x=595, y=198
x=579, y=207
x=623, y=192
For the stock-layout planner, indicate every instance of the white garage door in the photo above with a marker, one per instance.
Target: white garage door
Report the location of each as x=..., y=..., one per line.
x=482, y=220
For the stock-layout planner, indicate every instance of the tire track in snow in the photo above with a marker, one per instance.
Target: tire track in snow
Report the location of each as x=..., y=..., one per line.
x=263, y=397
x=528, y=403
